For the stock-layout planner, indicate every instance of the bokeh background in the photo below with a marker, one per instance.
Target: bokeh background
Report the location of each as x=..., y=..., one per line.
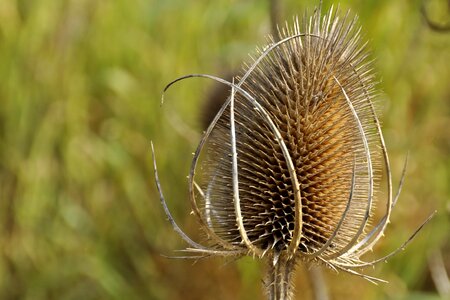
x=80, y=90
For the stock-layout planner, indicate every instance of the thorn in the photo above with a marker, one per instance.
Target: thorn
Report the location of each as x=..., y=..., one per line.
x=276, y=256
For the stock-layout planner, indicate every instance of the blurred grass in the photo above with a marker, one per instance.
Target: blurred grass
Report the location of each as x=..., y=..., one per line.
x=79, y=104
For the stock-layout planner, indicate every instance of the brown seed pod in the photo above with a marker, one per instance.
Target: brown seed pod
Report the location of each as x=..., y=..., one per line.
x=290, y=162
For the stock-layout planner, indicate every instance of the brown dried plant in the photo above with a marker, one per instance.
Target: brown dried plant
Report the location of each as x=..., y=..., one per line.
x=291, y=161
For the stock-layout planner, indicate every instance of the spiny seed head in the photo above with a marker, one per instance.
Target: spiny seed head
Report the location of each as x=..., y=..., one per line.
x=307, y=86
x=316, y=87
x=289, y=163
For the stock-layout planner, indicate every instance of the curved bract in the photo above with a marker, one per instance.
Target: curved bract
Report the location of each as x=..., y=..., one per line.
x=289, y=163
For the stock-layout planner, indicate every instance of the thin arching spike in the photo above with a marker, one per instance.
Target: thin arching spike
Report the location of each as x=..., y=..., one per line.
x=217, y=252
x=207, y=201
x=371, y=279
x=203, y=140
x=387, y=165
x=235, y=174
x=167, y=211
x=402, y=180
x=369, y=170
x=361, y=248
x=402, y=247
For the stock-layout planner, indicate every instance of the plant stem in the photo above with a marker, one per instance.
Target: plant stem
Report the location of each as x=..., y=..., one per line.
x=275, y=17
x=318, y=283
x=279, y=277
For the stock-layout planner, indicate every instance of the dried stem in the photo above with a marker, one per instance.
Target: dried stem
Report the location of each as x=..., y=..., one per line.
x=318, y=283
x=439, y=274
x=275, y=17
x=279, y=278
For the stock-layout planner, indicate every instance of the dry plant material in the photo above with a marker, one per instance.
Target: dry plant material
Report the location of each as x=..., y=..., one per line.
x=291, y=160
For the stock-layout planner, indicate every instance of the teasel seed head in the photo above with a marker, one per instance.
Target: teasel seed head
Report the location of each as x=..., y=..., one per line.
x=290, y=163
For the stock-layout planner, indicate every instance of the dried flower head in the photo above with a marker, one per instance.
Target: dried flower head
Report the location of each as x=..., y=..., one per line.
x=291, y=160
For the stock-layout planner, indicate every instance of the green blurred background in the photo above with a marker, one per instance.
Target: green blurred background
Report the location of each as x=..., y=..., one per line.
x=81, y=82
